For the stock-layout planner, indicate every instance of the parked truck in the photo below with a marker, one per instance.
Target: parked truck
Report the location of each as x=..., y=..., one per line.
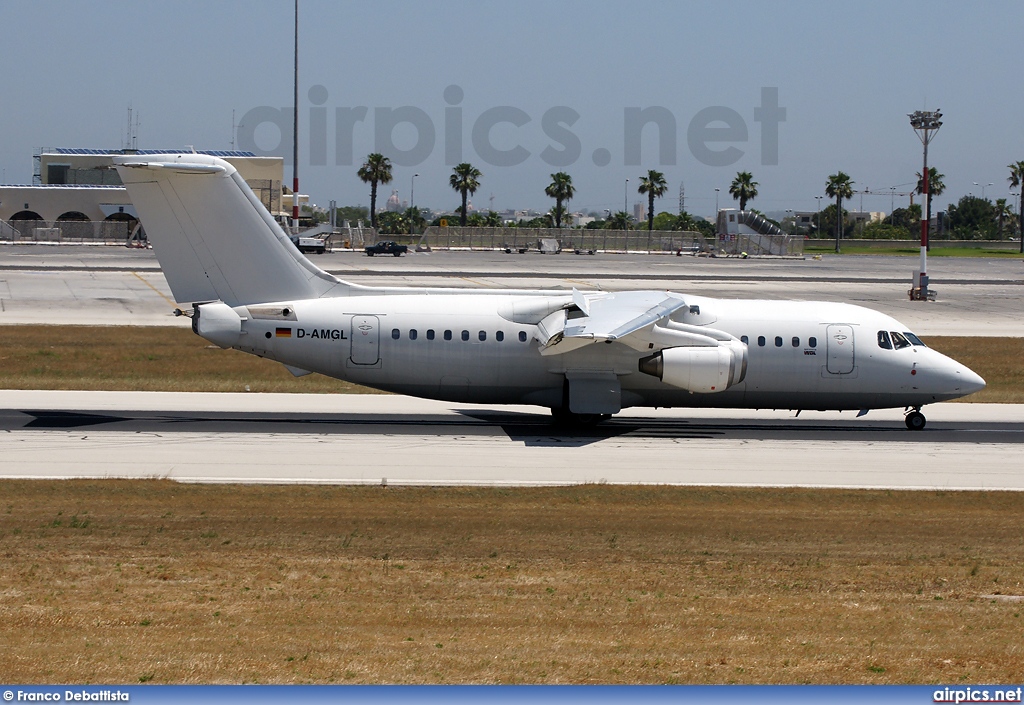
x=387, y=247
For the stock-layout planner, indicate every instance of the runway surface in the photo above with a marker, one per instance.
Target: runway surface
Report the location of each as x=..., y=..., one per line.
x=116, y=286
x=386, y=439
x=376, y=439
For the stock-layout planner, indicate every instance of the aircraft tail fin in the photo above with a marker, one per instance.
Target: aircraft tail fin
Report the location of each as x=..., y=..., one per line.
x=212, y=235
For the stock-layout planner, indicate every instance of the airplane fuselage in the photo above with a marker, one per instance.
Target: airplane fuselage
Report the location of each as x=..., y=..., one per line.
x=585, y=355
x=459, y=347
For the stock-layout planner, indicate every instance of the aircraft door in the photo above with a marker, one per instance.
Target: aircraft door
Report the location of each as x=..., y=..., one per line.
x=840, y=350
x=365, y=340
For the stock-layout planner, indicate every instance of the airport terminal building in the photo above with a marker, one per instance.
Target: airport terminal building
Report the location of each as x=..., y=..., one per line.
x=76, y=195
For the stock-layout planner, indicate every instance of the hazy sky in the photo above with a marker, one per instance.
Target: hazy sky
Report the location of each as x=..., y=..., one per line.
x=544, y=86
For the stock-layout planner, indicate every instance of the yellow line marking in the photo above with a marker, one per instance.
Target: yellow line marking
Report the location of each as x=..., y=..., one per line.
x=474, y=281
x=577, y=281
x=160, y=293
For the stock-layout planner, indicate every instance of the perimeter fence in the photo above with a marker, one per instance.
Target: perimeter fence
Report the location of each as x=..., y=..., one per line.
x=526, y=239
x=105, y=232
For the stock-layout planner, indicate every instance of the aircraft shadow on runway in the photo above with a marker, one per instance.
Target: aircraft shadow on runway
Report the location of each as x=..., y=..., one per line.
x=525, y=428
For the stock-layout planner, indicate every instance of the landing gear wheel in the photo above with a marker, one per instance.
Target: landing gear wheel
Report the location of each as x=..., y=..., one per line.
x=915, y=421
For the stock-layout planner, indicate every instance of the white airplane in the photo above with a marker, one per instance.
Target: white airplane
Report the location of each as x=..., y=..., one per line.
x=584, y=355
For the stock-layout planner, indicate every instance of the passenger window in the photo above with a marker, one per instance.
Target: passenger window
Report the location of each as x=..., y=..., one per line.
x=796, y=342
x=760, y=341
x=898, y=341
x=499, y=336
x=465, y=335
x=395, y=334
x=914, y=339
x=883, y=340
x=812, y=341
x=447, y=335
x=744, y=339
x=413, y=334
x=482, y=335
x=430, y=334
x=778, y=341
x=522, y=336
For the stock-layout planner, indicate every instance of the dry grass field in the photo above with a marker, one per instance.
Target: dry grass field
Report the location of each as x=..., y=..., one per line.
x=147, y=359
x=175, y=359
x=151, y=581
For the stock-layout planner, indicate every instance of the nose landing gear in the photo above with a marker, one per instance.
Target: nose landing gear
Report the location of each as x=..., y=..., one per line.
x=915, y=420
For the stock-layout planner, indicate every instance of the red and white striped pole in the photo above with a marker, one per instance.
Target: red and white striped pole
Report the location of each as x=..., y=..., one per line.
x=925, y=124
x=295, y=128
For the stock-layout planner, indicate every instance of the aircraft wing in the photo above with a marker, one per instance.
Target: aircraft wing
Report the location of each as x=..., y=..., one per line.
x=605, y=318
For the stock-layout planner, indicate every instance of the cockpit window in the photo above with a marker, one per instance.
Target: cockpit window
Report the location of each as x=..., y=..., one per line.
x=883, y=340
x=913, y=338
x=898, y=341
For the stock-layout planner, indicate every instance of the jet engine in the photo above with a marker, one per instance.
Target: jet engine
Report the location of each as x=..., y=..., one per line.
x=704, y=369
x=218, y=323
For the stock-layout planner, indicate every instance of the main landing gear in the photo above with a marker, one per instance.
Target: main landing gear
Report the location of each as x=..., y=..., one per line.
x=915, y=420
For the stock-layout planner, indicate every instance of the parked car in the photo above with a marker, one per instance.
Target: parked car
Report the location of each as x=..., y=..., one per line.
x=387, y=247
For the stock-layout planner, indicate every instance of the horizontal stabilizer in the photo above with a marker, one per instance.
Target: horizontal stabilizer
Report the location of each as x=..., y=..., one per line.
x=180, y=168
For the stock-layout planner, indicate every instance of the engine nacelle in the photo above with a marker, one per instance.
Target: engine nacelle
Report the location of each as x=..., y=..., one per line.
x=218, y=323
x=703, y=369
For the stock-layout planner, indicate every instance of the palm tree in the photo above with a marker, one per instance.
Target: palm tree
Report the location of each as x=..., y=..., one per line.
x=1003, y=212
x=465, y=179
x=620, y=221
x=375, y=170
x=560, y=189
x=935, y=188
x=1016, y=180
x=935, y=184
x=414, y=218
x=743, y=188
x=685, y=222
x=654, y=186
x=839, y=186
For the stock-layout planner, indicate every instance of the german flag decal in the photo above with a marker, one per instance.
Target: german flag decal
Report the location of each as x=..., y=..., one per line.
x=284, y=333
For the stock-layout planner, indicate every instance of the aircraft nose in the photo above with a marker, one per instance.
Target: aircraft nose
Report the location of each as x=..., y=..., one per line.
x=959, y=379
x=970, y=381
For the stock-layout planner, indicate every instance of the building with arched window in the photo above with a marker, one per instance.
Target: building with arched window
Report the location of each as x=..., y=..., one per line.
x=77, y=194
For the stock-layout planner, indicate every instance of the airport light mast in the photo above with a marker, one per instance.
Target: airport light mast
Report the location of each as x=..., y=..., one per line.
x=925, y=123
x=295, y=128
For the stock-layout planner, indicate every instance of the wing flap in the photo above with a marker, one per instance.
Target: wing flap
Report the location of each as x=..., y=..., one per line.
x=607, y=318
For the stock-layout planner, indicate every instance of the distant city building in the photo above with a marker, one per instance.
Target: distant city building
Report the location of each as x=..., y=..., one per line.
x=639, y=211
x=805, y=220
x=393, y=205
x=866, y=216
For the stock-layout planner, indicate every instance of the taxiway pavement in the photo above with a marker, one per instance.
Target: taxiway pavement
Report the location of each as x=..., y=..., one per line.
x=117, y=286
x=395, y=440
x=377, y=439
